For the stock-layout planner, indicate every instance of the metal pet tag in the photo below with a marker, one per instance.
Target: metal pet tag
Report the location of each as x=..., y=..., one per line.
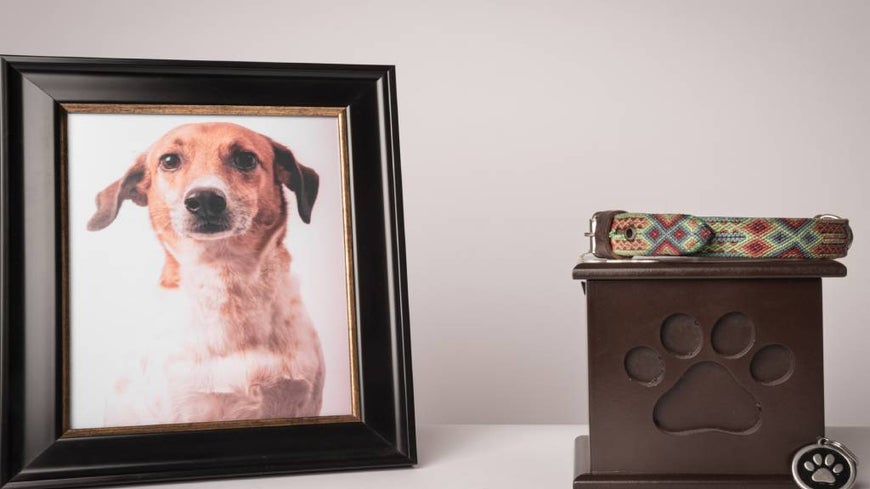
x=826, y=464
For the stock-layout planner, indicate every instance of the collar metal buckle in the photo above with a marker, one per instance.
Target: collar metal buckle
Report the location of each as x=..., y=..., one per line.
x=594, y=254
x=589, y=256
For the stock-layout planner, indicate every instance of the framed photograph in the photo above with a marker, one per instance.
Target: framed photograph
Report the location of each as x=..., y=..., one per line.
x=203, y=271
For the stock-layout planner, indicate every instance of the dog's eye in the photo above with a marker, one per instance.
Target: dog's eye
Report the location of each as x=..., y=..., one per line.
x=244, y=160
x=170, y=162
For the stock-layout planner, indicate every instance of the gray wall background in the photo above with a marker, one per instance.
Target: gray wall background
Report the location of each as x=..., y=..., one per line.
x=519, y=119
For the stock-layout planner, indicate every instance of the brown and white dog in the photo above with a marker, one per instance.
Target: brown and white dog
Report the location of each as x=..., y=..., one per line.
x=215, y=197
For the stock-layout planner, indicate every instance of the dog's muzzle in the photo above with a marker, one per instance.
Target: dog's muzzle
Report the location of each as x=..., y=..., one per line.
x=208, y=207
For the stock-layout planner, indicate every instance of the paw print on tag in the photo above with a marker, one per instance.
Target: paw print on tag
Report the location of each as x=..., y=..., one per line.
x=708, y=396
x=822, y=466
x=825, y=474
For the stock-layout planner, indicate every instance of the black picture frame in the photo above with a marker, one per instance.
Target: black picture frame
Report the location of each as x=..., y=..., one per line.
x=33, y=449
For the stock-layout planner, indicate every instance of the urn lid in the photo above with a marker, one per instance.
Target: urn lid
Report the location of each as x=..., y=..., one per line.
x=707, y=268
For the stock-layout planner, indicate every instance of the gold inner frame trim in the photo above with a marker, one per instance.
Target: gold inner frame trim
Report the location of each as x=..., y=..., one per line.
x=340, y=113
x=252, y=110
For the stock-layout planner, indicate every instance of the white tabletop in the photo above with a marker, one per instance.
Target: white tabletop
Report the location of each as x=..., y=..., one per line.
x=450, y=456
x=482, y=456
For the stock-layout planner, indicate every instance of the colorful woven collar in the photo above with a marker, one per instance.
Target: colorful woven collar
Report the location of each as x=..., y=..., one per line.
x=619, y=234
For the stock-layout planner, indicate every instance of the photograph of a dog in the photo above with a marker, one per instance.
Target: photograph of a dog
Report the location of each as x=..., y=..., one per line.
x=209, y=283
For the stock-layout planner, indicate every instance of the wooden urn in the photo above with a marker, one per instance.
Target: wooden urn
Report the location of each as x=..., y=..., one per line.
x=704, y=373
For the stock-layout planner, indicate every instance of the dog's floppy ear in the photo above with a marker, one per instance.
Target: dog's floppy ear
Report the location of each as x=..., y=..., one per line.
x=299, y=178
x=109, y=200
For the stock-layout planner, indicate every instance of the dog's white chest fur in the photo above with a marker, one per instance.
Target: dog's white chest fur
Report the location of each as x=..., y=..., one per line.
x=247, y=350
x=233, y=310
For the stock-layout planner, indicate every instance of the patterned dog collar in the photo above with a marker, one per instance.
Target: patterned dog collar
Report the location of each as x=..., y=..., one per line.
x=620, y=234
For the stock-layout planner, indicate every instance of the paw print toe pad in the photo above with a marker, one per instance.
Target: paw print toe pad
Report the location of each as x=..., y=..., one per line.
x=644, y=365
x=681, y=335
x=772, y=365
x=733, y=335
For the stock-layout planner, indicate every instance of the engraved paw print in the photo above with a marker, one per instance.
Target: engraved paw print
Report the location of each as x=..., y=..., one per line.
x=823, y=470
x=708, y=396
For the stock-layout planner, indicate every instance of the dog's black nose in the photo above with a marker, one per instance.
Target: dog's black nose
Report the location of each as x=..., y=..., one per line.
x=206, y=202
